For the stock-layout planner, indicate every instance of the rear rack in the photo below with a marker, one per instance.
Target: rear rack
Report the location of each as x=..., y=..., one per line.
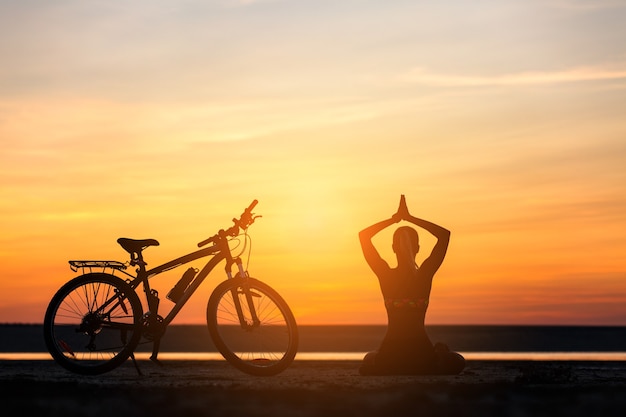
x=76, y=265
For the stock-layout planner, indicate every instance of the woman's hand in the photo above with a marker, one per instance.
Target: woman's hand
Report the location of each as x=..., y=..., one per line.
x=403, y=211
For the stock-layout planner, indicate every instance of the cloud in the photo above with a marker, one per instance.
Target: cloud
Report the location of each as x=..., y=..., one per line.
x=584, y=6
x=423, y=76
x=243, y=3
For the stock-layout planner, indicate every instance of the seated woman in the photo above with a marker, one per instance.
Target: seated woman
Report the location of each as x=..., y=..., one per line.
x=406, y=348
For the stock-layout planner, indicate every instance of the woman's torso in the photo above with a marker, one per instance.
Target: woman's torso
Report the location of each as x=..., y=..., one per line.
x=406, y=301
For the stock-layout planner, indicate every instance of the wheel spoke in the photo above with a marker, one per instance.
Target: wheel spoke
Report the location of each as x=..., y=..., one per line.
x=265, y=347
x=93, y=323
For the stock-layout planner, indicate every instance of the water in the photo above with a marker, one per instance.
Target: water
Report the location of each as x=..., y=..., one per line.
x=350, y=342
x=355, y=356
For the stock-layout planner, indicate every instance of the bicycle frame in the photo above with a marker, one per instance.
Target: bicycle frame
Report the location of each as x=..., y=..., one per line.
x=220, y=251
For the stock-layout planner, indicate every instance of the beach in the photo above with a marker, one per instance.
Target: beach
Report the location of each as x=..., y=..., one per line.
x=329, y=387
x=312, y=388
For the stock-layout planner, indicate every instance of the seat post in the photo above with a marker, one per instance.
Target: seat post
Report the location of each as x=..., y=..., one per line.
x=136, y=258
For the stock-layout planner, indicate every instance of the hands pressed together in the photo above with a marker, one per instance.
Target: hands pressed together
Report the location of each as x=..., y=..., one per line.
x=403, y=211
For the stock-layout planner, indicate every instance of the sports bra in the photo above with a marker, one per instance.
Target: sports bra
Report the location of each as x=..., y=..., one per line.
x=406, y=302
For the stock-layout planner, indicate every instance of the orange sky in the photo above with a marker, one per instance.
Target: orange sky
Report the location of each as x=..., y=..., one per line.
x=501, y=121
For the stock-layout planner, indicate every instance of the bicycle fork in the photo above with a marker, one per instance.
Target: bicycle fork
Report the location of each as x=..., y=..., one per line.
x=245, y=290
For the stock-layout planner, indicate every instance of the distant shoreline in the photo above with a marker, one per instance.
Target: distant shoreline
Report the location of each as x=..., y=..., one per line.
x=363, y=338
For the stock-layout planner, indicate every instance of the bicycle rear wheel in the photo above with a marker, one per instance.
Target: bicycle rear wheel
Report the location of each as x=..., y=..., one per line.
x=93, y=323
x=263, y=346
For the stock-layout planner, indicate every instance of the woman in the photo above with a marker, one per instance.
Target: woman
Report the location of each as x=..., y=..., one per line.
x=406, y=348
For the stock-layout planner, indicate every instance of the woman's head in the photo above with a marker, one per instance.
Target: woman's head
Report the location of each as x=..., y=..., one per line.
x=406, y=242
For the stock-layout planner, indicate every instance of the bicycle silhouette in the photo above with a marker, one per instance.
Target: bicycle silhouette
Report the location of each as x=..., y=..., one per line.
x=96, y=320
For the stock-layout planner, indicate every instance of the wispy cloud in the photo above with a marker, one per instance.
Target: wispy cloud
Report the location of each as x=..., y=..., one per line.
x=583, y=5
x=424, y=76
x=248, y=2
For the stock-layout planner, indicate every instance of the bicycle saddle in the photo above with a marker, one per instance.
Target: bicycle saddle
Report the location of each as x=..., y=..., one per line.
x=136, y=245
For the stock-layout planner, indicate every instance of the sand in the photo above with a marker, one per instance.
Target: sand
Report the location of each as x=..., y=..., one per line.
x=312, y=388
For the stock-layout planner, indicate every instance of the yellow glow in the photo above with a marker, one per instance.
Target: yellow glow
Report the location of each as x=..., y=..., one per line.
x=160, y=123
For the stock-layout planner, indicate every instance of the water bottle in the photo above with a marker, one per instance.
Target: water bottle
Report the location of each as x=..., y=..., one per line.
x=182, y=284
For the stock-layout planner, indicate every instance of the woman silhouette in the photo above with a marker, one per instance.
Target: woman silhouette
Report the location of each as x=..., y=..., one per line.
x=406, y=348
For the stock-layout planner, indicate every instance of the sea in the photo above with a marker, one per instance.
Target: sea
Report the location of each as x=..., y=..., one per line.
x=352, y=342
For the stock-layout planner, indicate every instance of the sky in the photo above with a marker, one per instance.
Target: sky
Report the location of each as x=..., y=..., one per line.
x=502, y=121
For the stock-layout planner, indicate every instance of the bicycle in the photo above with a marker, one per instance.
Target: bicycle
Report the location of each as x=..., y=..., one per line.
x=95, y=321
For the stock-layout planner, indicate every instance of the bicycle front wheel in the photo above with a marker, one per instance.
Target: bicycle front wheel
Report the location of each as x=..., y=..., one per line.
x=252, y=326
x=93, y=323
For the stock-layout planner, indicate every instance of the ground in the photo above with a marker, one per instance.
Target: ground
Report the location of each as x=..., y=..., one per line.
x=311, y=388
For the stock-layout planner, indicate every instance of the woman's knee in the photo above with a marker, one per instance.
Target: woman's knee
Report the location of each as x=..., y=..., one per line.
x=451, y=363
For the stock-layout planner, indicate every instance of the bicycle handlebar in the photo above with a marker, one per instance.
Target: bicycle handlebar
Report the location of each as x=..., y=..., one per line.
x=244, y=221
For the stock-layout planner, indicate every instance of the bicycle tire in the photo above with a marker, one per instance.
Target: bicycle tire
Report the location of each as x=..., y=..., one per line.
x=262, y=350
x=93, y=323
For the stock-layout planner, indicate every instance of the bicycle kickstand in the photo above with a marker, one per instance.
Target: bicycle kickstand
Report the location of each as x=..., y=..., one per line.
x=132, y=356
